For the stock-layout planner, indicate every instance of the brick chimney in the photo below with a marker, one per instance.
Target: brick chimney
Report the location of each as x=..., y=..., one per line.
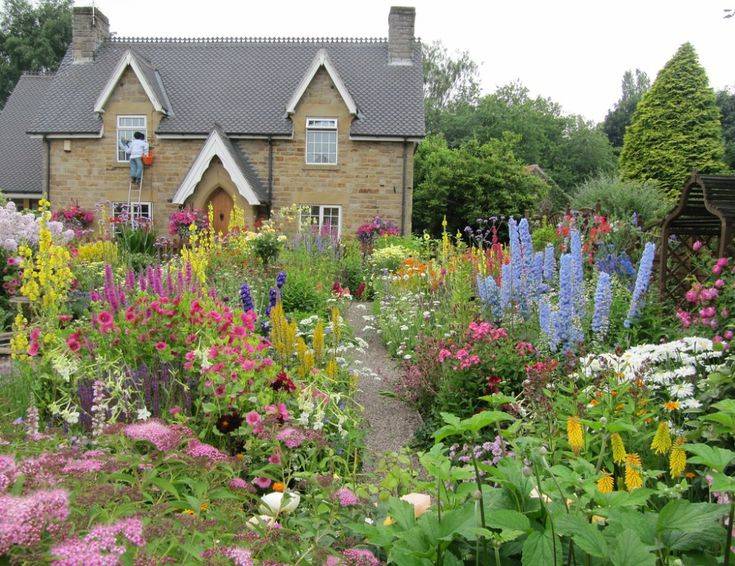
x=89, y=29
x=400, y=35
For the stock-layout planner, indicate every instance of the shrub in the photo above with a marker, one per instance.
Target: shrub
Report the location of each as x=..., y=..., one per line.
x=303, y=292
x=620, y=199
x=390, y=257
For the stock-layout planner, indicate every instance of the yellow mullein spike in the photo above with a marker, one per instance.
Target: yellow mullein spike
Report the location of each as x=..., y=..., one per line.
x=618, y=448
x=317, y=340
x=332, y=368
x=633, y=479
x=677, y=458
x=605, y=483
x=575, y=434
x=662, y=439
x=336, y=319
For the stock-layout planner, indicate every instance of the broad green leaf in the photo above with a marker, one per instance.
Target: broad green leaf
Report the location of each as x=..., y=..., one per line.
x=585, y=535
x=404, y=557
x=165, y=485
x=450, y=419
x=486, y=418
x=621, y=426
x=628, y=550
x=726, y=405
x=688, y=526
x=710, y=456
x=507, y=519
x=402, y=513
x=497, y=399
x=541, y=549
x=721, y=482
x=721, y=418
x=447, y=431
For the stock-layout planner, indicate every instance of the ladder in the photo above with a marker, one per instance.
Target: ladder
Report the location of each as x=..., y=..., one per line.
x=135, y=191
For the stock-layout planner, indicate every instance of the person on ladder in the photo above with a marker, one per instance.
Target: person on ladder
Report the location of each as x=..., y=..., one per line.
x=136, y=148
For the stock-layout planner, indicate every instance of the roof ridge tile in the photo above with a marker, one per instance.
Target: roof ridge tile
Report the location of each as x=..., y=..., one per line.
x=247, y=39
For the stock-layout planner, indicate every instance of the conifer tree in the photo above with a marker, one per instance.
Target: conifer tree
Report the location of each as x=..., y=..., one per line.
x=676, y=126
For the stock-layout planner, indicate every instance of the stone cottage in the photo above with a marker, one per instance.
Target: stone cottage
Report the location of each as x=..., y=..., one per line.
x=330, y=124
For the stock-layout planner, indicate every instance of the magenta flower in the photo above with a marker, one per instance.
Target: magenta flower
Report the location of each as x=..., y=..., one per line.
x=346, y=497
x=696, y=246
x=252, y=418
x=163, y=437
x=105, y=544
x=160, y=346
x=291, y=437
x=262, y=483
x=24, y=519
x=238, y=483
x=197, y=449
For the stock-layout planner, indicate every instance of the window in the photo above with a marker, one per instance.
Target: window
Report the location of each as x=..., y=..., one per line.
x=121, y=212
x=324, y=218
x=321, y=141
x=126, y=127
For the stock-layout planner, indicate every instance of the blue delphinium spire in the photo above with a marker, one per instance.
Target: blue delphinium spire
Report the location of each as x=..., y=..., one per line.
x=272, y=300
x=246, y=298
x=516, y=257
x=549, y=263
x=567, y=324
x=645, y=268
x=281, y=279
x=536, y=285
x=575, y=246
x=603, y=300
x=489, y=293
x=506, y=286
x=547, y=323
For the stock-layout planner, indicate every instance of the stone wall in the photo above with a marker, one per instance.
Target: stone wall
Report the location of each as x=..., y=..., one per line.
x=366, y=181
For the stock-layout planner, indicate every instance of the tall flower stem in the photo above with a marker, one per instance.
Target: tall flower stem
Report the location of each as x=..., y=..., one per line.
x=728, y=539
x=478, y=481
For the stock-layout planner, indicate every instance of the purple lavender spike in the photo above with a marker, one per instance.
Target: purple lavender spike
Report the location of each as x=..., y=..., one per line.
x=130, y=280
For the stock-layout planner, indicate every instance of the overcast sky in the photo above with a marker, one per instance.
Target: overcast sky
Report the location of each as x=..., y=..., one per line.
x=574, y=51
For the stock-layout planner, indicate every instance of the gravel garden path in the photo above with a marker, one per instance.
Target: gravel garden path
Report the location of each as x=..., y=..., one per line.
x=391, y=423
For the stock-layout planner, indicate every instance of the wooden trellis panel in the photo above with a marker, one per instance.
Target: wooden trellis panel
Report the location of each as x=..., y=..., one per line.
x=705, y=212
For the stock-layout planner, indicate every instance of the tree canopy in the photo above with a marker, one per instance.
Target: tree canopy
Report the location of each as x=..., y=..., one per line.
x=726, y=104
x=676, y=126
x=33, y=37
x=634, y=86
x=471, y=181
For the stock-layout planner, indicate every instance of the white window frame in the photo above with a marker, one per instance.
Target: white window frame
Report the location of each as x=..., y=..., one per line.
x=143, y=205
x=320, y=224
x=334, y=127
x=120, y=128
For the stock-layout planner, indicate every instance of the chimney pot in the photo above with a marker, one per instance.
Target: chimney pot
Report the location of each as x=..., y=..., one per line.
x=90, y=28
x=401, y=22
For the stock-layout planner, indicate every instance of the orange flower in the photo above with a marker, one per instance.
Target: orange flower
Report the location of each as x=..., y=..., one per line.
x=279, y=486
x=671, y=405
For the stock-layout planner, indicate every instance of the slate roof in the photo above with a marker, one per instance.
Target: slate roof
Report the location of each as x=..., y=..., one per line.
x=21, y=156
x=244, y=85
x=260, y=189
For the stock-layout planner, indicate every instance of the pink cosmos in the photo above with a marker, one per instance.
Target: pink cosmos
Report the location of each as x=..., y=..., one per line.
x=129, y=314
x=717, y=269
x=160, y=346
x=709, y=293
x=461, y=354
x=104, y=319
x=719, y=283
x=692, y=296
x=252, y=418
x=262, y=483
x=722, y=262
x=33, y=349
x=13, y=261
x=275, y=459
x=685, y=318
x=696, y=246
x=444, y=354
x=728, y=334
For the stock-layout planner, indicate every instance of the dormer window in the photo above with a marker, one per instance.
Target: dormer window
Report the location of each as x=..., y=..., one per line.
x=321, y=141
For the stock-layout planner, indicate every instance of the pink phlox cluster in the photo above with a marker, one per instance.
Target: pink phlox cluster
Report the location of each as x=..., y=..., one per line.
x=197, y=449
x=162, y=436
x=24, y=519
x=353, y=557
x=239, y=556
x=346, y=497
x=291, y=437
x=8, y=472
x=103, y=546
x=485, y=331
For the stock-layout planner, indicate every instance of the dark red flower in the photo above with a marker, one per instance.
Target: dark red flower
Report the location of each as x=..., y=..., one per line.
x=283, y=383
x=228, y=423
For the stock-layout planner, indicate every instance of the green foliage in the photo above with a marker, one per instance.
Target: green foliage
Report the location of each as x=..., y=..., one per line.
x=468, y=182
x=33, y=37
x=726, y=104
x=304, y=293
x=676, y=127
x=619, y=198
x=136, y=240
x=448, y=81
x=568, y=148
x=619, y=117
x=267, y=246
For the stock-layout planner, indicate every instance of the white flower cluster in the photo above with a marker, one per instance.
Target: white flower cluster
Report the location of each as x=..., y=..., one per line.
x=671, y=368
x=18, y=227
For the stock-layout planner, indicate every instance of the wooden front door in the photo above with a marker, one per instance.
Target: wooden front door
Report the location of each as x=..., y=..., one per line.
x=222, y=207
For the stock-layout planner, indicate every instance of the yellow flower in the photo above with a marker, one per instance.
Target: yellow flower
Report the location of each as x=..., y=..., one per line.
x=618, y=448
x=388, y=521
x=189, y=512
x=317, y=340
x=204, y=506
x=677, y=458
x=279, y=486
x=605, y=483
x=662, y=439
x=633, y=479
x=671, y=405
x=575, y=435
